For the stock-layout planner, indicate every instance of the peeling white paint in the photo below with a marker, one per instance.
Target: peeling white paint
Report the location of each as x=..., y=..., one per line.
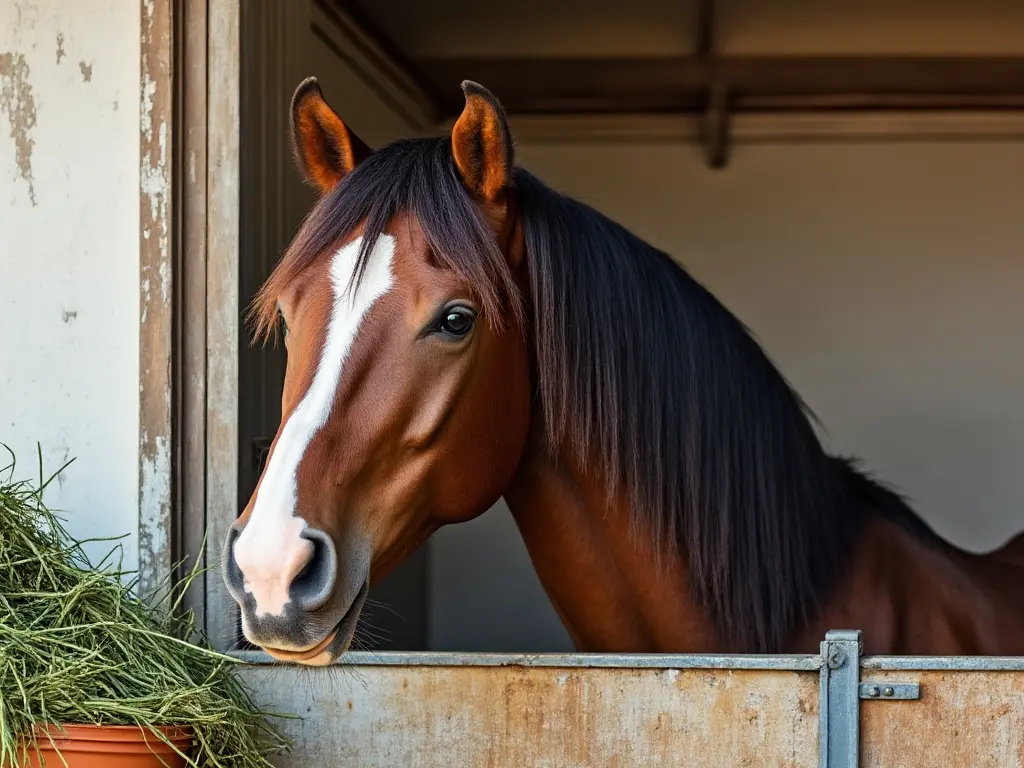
x=74, y=389
x=154, y=504
x=155, y=290
x=165, y=279
x=148, y=90
x=146, y=298
x=155, y=182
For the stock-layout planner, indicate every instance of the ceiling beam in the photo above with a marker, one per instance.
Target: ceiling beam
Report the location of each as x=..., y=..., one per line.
x=681, y=85
x=705, y=44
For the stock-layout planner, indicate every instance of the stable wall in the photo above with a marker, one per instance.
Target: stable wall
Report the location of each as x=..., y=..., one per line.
x=884, y=279
x=69, y=254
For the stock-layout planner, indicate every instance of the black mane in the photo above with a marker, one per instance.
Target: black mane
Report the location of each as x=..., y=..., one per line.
x=649, y=379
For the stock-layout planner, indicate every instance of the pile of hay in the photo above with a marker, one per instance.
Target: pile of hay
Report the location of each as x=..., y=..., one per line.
x=77, y=646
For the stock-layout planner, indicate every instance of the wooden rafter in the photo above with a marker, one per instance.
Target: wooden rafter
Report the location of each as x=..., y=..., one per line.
x=708, y=84
x=705, y=43
x=682, y=85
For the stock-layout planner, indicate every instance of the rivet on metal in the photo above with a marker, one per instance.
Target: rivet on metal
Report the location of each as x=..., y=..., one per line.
x=836, y=658
x=891, y=691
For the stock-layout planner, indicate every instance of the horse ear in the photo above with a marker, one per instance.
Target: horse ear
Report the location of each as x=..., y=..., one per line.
x=326, y=150
x=482, y=144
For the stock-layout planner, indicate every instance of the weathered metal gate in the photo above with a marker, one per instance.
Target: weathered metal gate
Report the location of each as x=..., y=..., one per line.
x=835, y=709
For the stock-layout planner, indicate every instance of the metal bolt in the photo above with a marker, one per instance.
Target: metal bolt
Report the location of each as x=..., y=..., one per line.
x=836, y=658
x=889, y=692
x=873, y=691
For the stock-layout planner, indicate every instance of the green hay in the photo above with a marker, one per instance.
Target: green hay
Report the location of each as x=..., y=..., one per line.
x=78, y=647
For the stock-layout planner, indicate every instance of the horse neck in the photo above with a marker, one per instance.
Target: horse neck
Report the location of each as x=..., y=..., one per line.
x=605, y=579
x=614, y=592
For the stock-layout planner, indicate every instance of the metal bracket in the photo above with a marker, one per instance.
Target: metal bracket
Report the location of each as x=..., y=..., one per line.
x=839, y=705
x=715, y=126
x=886, y=691
x=841, y=694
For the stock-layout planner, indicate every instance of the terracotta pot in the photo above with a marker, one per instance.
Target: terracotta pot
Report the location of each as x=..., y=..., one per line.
x=108, y=746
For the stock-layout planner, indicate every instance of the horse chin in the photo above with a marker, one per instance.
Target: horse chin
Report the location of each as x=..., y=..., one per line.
x=331, y=648
x=344, y=633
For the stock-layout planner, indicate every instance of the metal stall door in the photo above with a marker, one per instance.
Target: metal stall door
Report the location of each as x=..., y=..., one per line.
x=445, y=710
x=834, y=709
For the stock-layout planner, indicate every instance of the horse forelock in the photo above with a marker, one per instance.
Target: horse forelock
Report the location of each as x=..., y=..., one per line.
x=414, y=177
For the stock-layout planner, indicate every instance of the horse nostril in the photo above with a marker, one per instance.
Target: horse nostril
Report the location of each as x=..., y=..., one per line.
x=233, y=577
x=314, y=585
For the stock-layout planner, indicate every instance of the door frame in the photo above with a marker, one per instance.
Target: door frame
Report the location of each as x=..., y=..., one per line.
x=189, y=304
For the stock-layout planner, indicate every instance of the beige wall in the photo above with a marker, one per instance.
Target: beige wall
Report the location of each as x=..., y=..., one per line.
x=884, y=279
x=69, y=254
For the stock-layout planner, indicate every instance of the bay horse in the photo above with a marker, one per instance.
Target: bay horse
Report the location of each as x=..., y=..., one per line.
x=457, y=331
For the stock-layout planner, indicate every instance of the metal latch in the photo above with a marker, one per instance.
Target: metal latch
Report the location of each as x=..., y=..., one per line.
x=890, y=691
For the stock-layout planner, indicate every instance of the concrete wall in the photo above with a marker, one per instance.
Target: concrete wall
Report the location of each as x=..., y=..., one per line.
x=884, y=279
x=69, y=255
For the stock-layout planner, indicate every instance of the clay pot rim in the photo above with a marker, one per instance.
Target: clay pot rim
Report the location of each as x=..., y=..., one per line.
x=69, y=732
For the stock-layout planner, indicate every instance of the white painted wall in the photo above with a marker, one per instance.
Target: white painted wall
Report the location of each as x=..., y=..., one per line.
x=884, y=279
x=69, y=255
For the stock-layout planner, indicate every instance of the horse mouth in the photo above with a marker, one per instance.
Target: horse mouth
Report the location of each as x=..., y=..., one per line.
x=336, y=642
x=301, y=656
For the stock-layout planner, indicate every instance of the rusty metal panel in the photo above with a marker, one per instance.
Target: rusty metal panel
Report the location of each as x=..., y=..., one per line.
x=963, y=718
x=389, y=715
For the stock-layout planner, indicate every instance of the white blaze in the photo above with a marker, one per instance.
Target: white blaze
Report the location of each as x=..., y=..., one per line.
x=270, y=552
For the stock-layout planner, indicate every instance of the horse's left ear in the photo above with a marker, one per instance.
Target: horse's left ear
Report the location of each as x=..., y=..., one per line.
x=326, y=150
x=482, y=144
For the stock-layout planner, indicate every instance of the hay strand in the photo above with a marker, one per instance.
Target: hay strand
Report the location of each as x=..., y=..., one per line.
x=77, y=646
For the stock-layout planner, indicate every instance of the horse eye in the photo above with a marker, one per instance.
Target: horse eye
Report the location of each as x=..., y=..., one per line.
x=284, y=325
x=457, y=322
